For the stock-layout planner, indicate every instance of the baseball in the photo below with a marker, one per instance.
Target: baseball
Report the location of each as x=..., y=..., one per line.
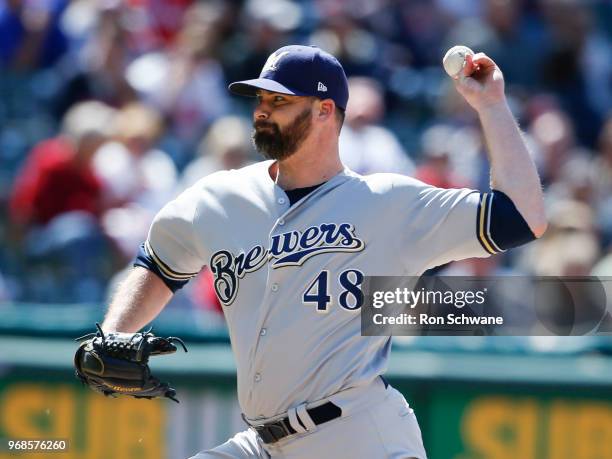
x=454, y=59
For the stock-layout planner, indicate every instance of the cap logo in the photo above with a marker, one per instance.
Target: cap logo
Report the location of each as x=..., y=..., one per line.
x=321, y=87
x=271, y=63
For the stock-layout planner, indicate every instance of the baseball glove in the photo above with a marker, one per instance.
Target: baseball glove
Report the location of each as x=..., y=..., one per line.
x=117, y=363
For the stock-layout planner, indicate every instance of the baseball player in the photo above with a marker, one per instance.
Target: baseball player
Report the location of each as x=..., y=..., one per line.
x=289, y=241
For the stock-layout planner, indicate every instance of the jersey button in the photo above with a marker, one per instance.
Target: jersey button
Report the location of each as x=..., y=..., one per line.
x=263, y=332
x=274, y=287
x=281, y=200
x=281, y=222
x=257, y=377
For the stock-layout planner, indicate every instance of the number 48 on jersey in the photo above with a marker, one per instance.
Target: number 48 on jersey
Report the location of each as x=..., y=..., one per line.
x=350, y=298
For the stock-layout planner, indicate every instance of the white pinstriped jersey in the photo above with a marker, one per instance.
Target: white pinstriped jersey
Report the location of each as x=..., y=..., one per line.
x=289, y=276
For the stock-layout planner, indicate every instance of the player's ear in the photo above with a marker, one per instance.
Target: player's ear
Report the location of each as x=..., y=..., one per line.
x=326, y=109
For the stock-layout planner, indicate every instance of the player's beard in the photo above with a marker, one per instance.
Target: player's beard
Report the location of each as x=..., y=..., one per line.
x=273, y=143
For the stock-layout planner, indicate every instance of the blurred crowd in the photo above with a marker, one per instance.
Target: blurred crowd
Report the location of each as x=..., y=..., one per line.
x=110, y=108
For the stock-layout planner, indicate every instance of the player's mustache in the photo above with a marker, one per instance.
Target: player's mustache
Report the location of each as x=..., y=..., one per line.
x=265, y=124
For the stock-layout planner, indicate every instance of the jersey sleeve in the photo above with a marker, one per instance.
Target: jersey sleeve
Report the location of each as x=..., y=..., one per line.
x=505, y=226
x=443, y=225
x=172, y=242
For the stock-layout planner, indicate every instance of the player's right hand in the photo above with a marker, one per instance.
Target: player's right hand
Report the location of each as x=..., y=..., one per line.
x=481, y=82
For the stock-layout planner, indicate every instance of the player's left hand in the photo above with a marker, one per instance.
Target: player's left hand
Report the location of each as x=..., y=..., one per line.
x=481, y=82
x=117, y=363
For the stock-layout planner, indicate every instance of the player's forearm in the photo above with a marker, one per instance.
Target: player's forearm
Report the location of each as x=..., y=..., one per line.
x=139, y=299
x=512, y=168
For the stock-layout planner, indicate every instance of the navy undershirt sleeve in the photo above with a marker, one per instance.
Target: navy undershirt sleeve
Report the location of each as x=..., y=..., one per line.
x=500, y=226
x=144, y=260
x=508, y=227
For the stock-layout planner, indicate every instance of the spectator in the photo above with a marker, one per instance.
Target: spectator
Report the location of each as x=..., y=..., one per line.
x=31, y=36
x=604, y=160
x=436, y=167
x=247, y=50
x=99, y=72
x=220, y=151
x=138, y=178
x=4, y=290
x=569, y=247
x=186, y=83
x=57, y=202
x=577, y=46
x=365, y=146
x=156, y=22
x=57, y=176
x=130, y=166
x=553, y=134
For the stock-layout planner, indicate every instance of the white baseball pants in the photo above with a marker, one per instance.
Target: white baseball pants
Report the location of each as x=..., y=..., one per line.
x=381, y=426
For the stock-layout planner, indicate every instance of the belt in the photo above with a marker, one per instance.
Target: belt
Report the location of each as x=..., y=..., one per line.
x=274, y=431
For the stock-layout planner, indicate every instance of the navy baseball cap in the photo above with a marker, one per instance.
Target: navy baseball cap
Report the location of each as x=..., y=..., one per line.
x=300, y=71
